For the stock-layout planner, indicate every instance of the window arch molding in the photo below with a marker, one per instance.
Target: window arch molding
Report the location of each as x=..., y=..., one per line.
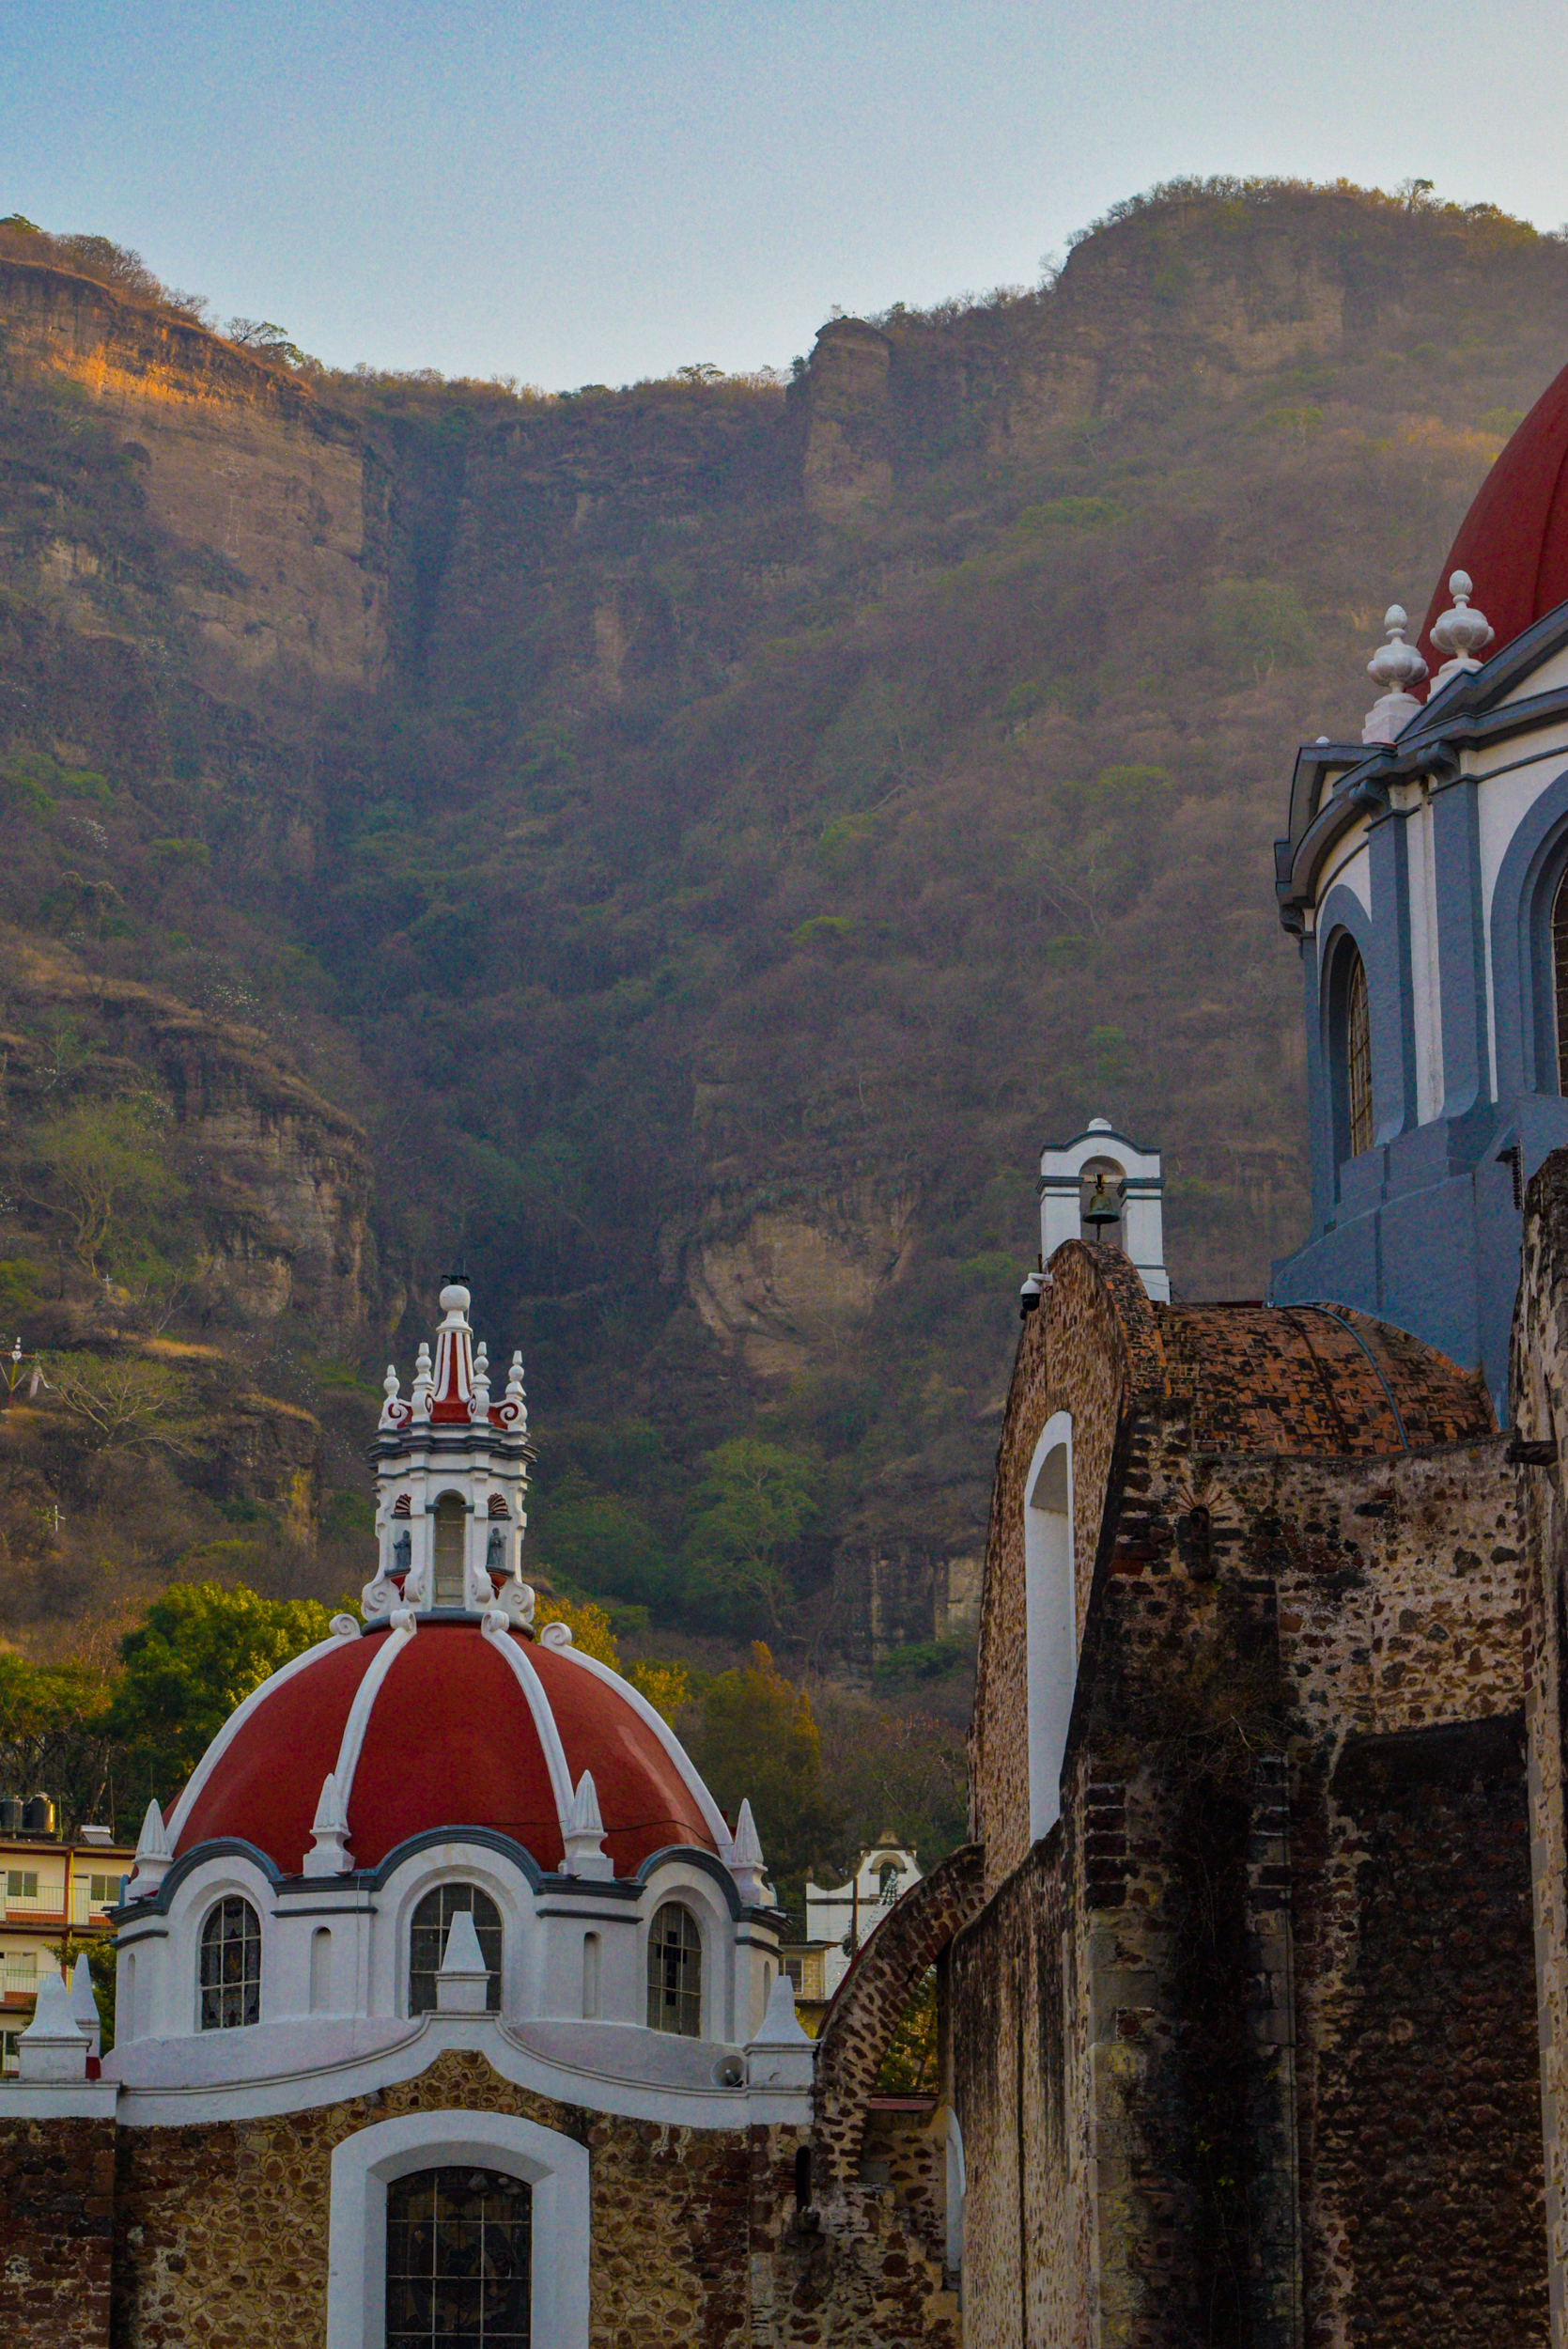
x=450, y=1859
x=1344, y=933
x=678, y=1881
x=229, y=1947
x=365, y=2164
x=1050, y=1616
x=1532, y=870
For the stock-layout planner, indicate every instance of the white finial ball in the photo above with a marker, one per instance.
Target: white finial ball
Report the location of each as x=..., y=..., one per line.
x=1459, y=583
x=454, y=1298
x=1100, y=1126
x=1395, y=616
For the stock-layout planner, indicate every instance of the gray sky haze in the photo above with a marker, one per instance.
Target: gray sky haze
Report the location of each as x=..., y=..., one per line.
x=595, y=192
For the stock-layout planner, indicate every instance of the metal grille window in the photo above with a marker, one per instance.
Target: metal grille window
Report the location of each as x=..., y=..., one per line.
x=1358, y=1060
x=675, y=1972
x=1559, y=979
x=459, y=2260
x=230, y=1965
x=432, y=1920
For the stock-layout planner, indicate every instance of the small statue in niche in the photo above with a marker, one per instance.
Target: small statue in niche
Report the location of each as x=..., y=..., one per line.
x=402, y=1551
x=494, y=1562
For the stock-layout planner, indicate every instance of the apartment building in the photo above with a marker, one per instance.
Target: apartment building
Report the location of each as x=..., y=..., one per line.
x=51, y=1888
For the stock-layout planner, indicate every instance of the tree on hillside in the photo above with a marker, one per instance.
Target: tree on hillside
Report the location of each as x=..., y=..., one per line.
x=198, y=1654
x=120, y=1404
x=754, y=1505
x=758, y=1742
x=100, y=1172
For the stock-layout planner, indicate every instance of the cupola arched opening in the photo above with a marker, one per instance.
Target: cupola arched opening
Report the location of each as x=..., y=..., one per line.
x=427, y=1931
x=451, y=1527
x=1349, y=1051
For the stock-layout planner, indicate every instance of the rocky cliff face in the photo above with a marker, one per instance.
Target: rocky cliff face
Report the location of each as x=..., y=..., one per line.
x=258, y=484
x=710, y=834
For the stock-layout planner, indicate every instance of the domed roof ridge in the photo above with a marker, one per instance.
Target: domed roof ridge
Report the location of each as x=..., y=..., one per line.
x=1514, y=540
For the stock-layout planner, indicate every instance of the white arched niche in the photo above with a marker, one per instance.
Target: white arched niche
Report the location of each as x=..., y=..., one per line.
x=1050, y=1616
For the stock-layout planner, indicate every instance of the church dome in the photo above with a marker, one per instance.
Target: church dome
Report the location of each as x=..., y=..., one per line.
x=1514, y=541
x=443, y=1710
x=453, y=1724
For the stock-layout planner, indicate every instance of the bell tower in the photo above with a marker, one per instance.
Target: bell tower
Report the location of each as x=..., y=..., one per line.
x=452, y=1480
x=1103, y=1188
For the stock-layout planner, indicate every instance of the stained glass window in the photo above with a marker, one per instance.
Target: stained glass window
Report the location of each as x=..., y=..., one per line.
x=459, y=2260
x=675, y=1972
x=428, y=1943
x=230, y=1965
x=1559, y=979
x=1358, y=1060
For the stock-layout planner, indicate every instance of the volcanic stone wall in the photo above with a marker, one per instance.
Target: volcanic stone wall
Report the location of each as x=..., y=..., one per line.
x=217, y=2234
x=56, y=2230
x=1298, y=1706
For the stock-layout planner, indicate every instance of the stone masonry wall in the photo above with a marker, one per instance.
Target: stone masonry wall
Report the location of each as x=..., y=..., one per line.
x=1428, y=2135
x=1539, y=1411
x=1204, y=1951
x=56, y=2229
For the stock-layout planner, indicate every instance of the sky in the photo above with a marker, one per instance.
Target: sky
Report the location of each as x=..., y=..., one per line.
x=604, y=190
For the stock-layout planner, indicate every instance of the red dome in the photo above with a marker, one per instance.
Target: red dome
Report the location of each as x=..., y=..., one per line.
x=451, y=1740
x=1514, y=541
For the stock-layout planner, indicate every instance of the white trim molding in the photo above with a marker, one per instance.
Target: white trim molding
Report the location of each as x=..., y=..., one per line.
x=365, y=2164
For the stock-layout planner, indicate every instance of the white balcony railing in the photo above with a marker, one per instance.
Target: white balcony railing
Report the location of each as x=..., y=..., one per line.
x=47, y=1904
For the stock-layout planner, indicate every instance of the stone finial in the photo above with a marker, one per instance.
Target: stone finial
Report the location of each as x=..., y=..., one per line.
x=84, y=2005
x=394, y=1413
x=1461, y=633
x=153, y=1857
x=746, y=1863
x=586, y=1854
x=479, y=1401
x=462, y=1983
x=424, y=1381
x=328, y=1854
x=1396, y=666
x=53, y=2047
x=781, y=2025
x=514, y=1409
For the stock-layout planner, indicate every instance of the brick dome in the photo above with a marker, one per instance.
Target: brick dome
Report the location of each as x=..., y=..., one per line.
x=455, y=1725
x=1514, y=541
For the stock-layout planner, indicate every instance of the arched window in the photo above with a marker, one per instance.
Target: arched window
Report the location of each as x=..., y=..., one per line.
x=1559, y=978
x=887, y=1882
x=1350, y=1053
x=1051, y=1619
x=675, y=1972
x=230, y=1965
x=458, y=2259
x=451, y=1527
x=432, y=1920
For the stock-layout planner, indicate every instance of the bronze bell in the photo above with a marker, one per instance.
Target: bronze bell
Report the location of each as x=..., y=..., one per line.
x=1103, y=1207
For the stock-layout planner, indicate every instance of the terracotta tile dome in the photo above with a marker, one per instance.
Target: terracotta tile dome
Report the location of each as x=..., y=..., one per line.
x=1514, y=541
x=457, y=1729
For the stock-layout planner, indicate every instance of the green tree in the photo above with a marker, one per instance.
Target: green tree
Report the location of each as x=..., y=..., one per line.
x=758, y=1742
x=754, y=1505
x=604, y=1544
x=102, y=1173
x=118, y=1404
x=56, y=1734
x=199, y=1653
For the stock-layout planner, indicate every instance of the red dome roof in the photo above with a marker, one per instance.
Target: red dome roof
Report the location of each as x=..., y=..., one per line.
x=452, y=1739
x=1514, y=541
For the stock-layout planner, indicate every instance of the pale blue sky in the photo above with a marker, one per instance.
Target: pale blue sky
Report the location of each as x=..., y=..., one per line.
x=614, y=188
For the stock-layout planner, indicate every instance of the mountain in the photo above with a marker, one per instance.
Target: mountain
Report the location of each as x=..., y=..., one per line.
x=678, y=851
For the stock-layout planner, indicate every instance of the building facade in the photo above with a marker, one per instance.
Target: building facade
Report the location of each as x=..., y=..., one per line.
x=1255, y=2023
x=449, y=2005
x=53, y=1892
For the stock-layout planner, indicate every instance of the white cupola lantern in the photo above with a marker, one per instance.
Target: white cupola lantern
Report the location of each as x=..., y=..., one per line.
x=452, y=1478
x=1101, y=1188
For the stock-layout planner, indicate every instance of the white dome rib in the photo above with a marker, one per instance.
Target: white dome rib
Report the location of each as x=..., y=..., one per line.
x=176, y=1822
x=713, y=1815
x=533, y=1687
x=394, y=1643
